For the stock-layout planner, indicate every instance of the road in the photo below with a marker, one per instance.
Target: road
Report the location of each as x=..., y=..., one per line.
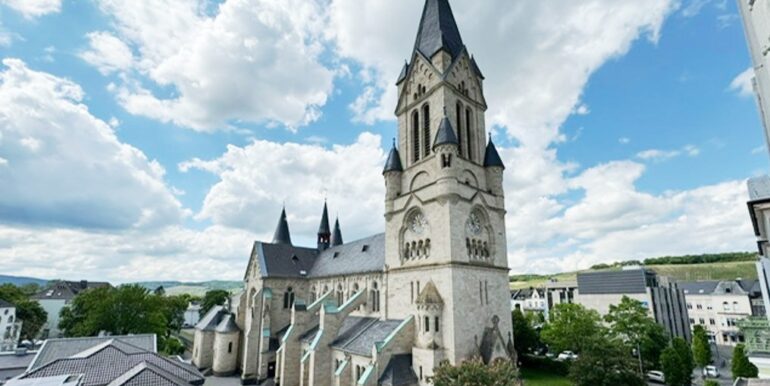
x=724, y=354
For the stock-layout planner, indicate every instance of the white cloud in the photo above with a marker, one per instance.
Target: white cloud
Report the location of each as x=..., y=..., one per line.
x=694, y=7
x=743, y=84
x=107, y=53
x=256, y=179
x=171, y=253
x=658, y=155
x=624, y=140
x=33, y=8
x=244, y=62
x=66, y=167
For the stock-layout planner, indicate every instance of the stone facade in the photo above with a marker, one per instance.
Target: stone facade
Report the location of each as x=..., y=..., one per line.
x=10, y=327
x=390, y=308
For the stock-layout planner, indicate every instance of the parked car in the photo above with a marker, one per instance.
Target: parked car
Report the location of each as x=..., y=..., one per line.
x=656, y=376
x=711, y=372
x=567, y=356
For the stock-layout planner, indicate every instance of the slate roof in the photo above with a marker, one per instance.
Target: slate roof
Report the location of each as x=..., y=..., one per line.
x=54, y=349
x=5, y=304
x=613, y=282
x=361, y=334
x=365, y=255
x=282, y=234
x=62, y=380
x=67, y=290
x=112, y=360
x=492, y=157
x=148, y=374
x=438, y=30
x=227, y=325
x=445, y=134
x=429, y=295
x=399, y=372
x=476, y=68
x=721, y=287
x=393, y=163
x=698, y=287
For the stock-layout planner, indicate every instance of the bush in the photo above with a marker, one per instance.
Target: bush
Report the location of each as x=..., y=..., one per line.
x=711, y=382
x=545, y=364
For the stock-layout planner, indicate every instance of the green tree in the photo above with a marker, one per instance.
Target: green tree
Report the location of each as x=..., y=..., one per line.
x=741, y=366
x=128, y=309
x=630, y=321
x=606, y=362
x=701, y=349
x=213, y=298
x=29, y=311
x=475, y=373
x=526, y=336
x=677, y=363
x=571, y=327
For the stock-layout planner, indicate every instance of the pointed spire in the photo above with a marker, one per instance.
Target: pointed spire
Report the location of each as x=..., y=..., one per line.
x=323, y=230
x=438, y=30
x=393, y=164
x=337, y=234
x=445, y=134
x=282, y=235
x=492, y=157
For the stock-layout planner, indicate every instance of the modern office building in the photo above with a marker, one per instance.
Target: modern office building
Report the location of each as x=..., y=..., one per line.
x=662, y=297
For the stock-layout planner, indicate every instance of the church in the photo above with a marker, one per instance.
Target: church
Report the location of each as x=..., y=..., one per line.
x=389, y=308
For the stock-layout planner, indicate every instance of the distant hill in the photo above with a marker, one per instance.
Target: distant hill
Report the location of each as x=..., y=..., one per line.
x=192, y=288
x=21, y=280
x=681, y=272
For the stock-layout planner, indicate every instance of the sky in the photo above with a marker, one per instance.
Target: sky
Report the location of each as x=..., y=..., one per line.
x=157, y=139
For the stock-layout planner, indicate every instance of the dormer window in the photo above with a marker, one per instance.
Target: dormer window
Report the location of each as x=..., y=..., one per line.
x=365, y=248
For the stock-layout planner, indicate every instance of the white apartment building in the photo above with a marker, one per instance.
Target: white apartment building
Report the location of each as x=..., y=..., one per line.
x=718, y=306
x=10, y=326
x=528, y=299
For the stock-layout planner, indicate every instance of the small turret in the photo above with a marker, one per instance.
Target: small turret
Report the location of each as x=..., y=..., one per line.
x=337, y=234
x=282, y=235
x=324, y=234
x=392, y=173
x=494, y=168
x=445, y=144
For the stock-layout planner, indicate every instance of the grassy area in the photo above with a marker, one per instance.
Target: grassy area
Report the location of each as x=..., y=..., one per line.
x=682, y=272
x=541, y=378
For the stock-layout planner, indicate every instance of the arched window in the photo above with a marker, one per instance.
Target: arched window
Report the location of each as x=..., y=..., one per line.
x=230, y=347
x=469, y=132
x=288, y=298
x=435, y=325
x=426, y=128
x=459, y=120
x=340, y=295
x=375, y=293
x=415, y=136
x=427, y=324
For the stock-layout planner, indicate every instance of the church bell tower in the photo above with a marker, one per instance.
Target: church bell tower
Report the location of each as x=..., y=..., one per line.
x=445, y=214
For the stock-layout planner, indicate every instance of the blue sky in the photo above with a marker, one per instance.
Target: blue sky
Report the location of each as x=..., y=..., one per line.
x=160, y=138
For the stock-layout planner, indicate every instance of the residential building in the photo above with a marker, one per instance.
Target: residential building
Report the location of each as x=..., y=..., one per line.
x=57, y=295
x=389, y=308
x=106, y=361
x=559, y=292
x=661, y=296
x=718, y=306
x=10, y=327
x=529, y=299
x=192, y=314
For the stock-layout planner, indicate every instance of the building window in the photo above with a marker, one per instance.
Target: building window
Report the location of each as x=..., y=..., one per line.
x=435, y=324
x=699, y=306
x=701, y=321
x=288, y=298
x=421, y=373
x=712, y=321
x=415, y=136
x=726, y=306
x=411, y=285
x=340, y=295
x=375, y=297
x=459, y=120
x=481, y=292
x=692, y=321
x=426, y=129
x=230, y=347
x=427, y=324
x=486, y=292
x=468, y=132
x=689, y=306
